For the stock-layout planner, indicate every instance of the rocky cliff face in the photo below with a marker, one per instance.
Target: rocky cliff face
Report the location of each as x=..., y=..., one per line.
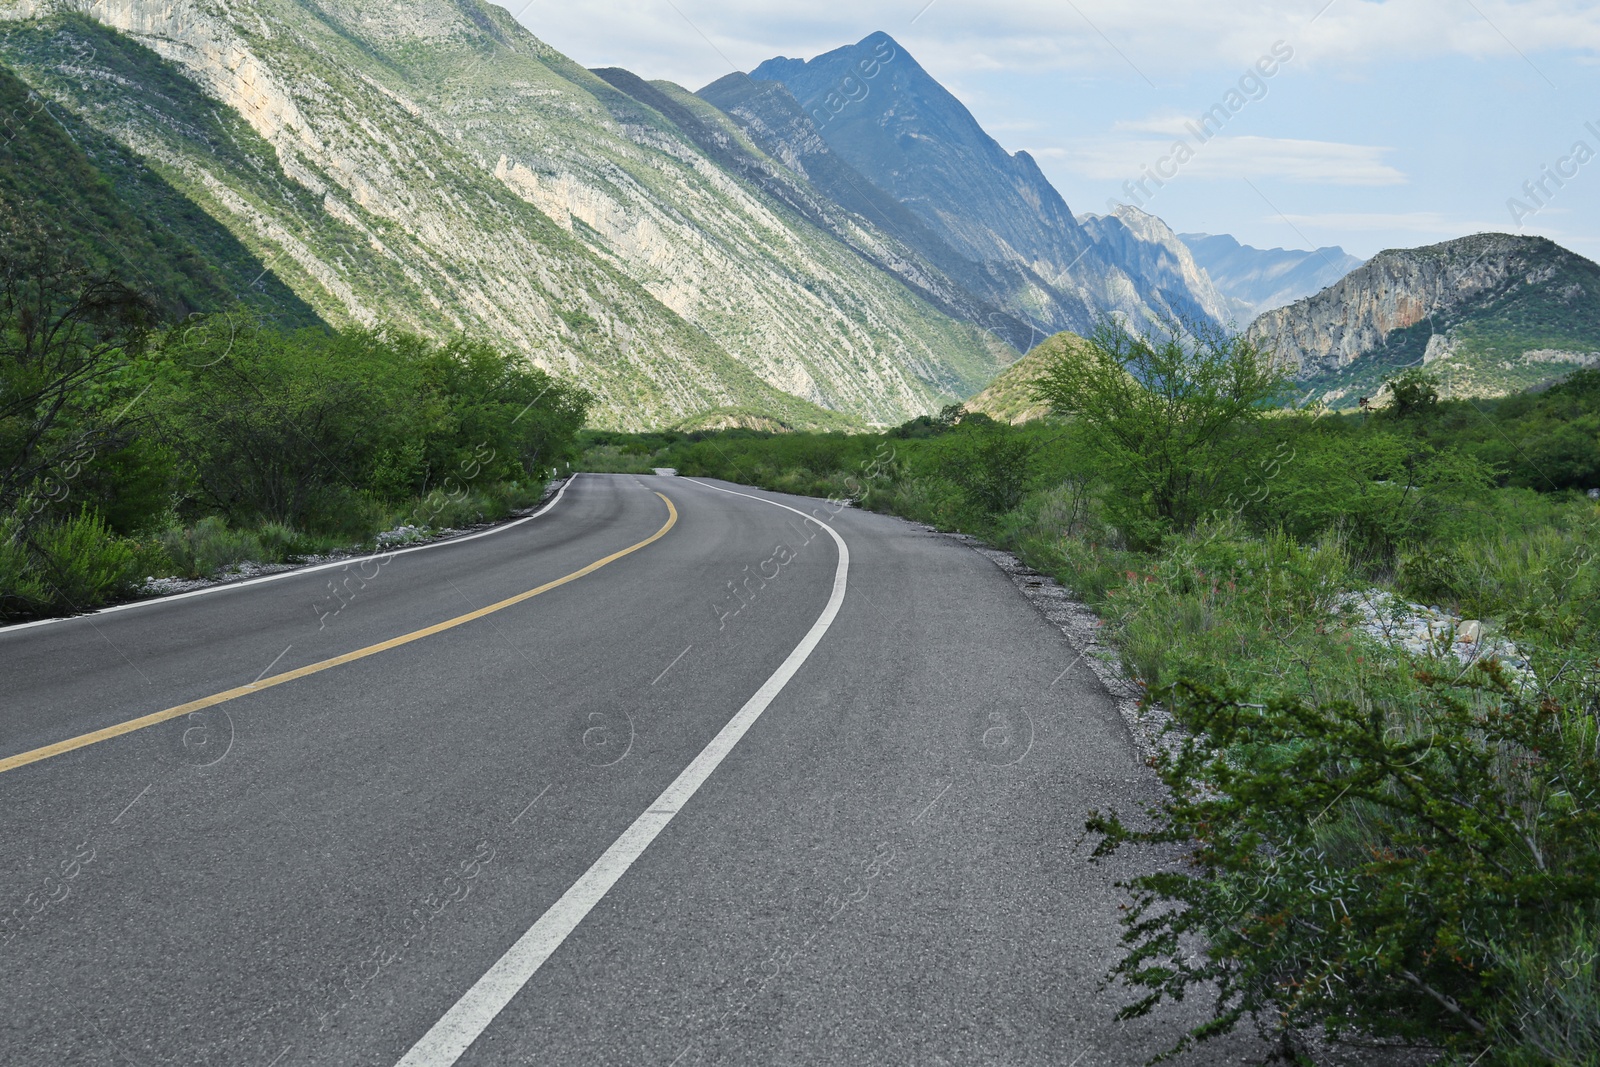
x=1485, y=312
x=770, y=116
x=1256, y=280
x=437, y=166
x=877, y=110
x=1146, y=248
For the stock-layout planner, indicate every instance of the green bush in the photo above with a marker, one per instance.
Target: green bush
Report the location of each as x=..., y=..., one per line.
x=82, y=562
x=1166, y=411
x=209, y=546
x=990, y=464
x=1431, y=575
x=1353, y=866
x=22, y=588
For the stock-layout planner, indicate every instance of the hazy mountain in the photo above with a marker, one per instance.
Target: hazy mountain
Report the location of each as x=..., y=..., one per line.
x=1256, y=280
x=879, y=112
x=1147, y=248
x=1490, y=314
x=772, y=118
x=437, y=166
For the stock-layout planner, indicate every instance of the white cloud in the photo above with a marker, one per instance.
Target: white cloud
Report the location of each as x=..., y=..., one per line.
x=695, y=41
x=1256, y=158
x=1171, y=123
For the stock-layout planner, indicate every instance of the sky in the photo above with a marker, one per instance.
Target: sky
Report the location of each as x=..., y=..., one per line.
x=1382, y=124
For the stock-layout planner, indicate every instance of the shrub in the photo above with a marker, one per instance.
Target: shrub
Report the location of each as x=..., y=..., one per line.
x=990, y=465
x=208, y=546
x=1164, y=410
x=1352, y=866
x=22, y=588
x=82, y=561
x=1413, y=391
x=1431, y=575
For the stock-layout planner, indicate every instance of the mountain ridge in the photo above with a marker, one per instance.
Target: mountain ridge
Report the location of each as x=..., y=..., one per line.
x=878, y=110
x=424, y=170
x=1257, y=280
x=1489, y=314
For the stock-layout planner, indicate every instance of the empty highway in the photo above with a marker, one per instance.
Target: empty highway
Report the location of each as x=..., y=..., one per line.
x=667, y=774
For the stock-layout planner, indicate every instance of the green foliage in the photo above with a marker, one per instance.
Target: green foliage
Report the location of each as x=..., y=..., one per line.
x=990, y=464
x=1546, y=440
x=1555, y=985
x=322, y=431
x=1430, y=575
x=69, y=565
x=1412, y=392
x=127, y=448
x=267, y=422
x=1351, y=865
x=22, y=586
x=201, y=550
x=1384, y=489
x=1165, y=410
x=66, y=334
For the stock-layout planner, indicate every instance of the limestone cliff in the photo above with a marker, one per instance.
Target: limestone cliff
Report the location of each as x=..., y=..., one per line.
x=1488, y=313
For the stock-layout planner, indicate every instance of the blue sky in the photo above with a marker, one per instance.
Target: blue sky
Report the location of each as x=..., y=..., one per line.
x=1389, y=124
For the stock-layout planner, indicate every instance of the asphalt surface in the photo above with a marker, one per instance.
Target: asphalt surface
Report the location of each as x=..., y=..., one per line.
x=885, y=869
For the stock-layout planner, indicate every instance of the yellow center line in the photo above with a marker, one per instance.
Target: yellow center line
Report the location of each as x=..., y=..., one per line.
x=11, y=763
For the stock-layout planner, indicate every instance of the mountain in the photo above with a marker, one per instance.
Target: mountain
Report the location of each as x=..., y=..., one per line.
x=769, y=115
x=108, y=211
x=1490, y=314
x=1258, y=280
x=825, y=197
x=439, y=167
x=1009, y=397
x=1147, y=248
x=889, y=122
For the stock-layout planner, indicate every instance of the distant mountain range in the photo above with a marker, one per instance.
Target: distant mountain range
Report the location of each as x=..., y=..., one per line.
x=895, y=129
x=822, y=243
x=1258, y=280
x=1489, y=314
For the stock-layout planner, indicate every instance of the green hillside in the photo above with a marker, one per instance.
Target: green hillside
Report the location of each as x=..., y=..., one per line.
x=1009, y=397
x=118, y=216
x=391, y=175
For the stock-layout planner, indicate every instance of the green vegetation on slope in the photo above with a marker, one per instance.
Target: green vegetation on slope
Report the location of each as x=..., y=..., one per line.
x=1384, y=842
x=1010, y=397
x=118, y=215
x=132, y=448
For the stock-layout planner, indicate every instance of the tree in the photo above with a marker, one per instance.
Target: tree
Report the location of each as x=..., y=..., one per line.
x=65, y=334
x=1414, y=392
x=269, y=423
x=1162, y=410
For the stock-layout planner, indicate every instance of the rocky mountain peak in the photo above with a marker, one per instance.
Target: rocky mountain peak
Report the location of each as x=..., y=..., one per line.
x=1491, y=312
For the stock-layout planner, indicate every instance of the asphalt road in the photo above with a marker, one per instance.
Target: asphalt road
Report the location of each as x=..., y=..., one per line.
x=635, y=818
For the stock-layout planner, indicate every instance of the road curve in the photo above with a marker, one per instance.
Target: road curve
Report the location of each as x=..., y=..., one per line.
x=747, y=791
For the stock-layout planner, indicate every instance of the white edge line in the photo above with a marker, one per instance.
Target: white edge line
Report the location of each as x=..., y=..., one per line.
x=454, y=1033
x=297, y=572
